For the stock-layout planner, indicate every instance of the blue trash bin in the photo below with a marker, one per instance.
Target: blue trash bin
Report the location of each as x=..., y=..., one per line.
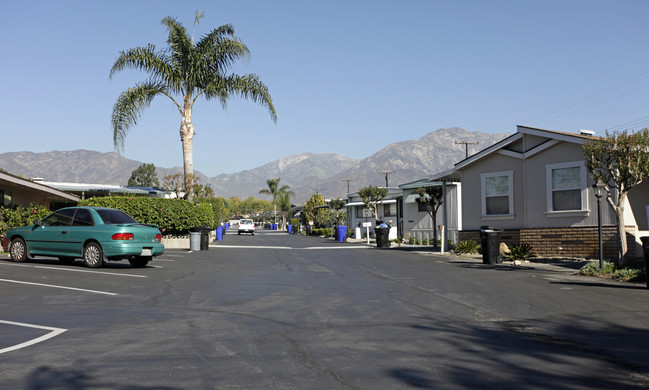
x=219, y=233
x=342, y=233
x=290, y=229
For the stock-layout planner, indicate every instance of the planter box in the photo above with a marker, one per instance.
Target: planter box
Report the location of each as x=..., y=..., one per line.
x=176, y=243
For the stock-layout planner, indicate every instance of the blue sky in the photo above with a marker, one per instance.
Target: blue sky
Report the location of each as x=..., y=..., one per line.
x=346, y=76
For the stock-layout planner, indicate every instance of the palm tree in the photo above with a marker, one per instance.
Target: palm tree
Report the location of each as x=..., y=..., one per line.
x=280, y=195
x=183, y=73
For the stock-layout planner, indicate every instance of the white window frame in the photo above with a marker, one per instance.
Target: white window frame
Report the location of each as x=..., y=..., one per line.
x=510, y=194
x=583, y=188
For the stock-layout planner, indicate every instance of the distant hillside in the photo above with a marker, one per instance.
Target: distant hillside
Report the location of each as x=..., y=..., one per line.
x=409, y=160
x=305, y=173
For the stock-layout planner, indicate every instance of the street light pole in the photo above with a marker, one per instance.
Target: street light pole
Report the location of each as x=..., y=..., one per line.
x=598, y=189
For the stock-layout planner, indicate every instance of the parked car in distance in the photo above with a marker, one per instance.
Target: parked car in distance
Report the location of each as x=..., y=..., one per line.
x=94, y=234
x=246, y=226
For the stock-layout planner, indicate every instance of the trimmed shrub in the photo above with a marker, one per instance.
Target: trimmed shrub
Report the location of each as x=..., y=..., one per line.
x=12, y=217
x=172, y=216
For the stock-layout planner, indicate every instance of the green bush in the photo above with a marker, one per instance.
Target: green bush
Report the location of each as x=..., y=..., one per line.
x=172, y=216
x=468, y=247
x=321, y=232
x=519, y=252
x=626, y=274
x=12, y=217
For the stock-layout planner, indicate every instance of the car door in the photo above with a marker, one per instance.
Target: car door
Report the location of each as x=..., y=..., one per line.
x=51, y=236
x=82, y=228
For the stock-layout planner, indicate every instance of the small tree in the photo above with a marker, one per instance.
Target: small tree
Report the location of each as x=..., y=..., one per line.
x=372, y=196
x=430, y=198
x=621, y=161
x=338, y=214
x=174, y=183
x=144, y=176
x=311, y=213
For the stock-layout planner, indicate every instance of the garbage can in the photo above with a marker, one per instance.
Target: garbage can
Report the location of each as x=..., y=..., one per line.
x=382, y=234
x=490, y=243
x=204, y=232
x=342, y=233
x=194, y=241
x=290, y=229
x=219, y=233
x=645, y=250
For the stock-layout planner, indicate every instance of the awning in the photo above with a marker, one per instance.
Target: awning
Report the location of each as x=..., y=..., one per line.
x=352, y=204
x=412, y=198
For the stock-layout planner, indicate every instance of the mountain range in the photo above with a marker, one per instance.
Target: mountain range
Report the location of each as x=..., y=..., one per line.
x=329, y=174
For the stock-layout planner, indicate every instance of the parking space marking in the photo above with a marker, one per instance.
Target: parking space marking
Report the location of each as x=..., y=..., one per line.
x=73, y=270
x=53, y=333
x=61, y=287
x=288, y=247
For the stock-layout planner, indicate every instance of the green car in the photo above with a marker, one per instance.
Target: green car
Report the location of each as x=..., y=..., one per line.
x=94, y=234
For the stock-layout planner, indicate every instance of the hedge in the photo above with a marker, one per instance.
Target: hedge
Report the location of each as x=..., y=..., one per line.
x=12, y=217
x=172, y=216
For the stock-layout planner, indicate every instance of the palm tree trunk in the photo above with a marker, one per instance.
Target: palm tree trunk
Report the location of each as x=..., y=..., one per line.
x=187, y=139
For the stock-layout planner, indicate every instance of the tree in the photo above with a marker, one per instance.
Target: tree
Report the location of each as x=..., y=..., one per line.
x=372, y=196
x=183, y=73
x=174, y=183
x=277, y=192
x=144, y=176
x=430, y=198
x=338, y=214
x=203, y=191
x=313, y=213
x=621, y=161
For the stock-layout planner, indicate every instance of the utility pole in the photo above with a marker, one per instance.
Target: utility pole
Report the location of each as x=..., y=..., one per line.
x=386, y=173
x=466, y=146
x=347, y=180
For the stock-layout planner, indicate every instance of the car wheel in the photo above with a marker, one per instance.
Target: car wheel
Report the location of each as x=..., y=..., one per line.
x=66, y=260
x=139, y=261
x=239, y=233
x=18, y=251
x=93, y=256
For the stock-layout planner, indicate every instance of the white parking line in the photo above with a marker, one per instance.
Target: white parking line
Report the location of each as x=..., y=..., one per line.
x=288, y=247
x=61, y=287
x=53, y=332
x=73, y=270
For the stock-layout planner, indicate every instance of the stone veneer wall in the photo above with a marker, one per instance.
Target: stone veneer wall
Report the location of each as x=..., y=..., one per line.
x=579, y=242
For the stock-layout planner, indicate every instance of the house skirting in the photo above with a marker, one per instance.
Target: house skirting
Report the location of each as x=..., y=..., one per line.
x=577, y=242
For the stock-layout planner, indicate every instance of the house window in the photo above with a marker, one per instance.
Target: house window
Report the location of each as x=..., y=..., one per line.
x=5, y=198
x=362, y=212
x=390, y=210
x=566, y=184
x=497, y=193
x=421, y=207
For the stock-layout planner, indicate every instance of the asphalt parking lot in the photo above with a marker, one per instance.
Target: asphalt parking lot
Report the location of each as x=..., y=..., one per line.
x=275, y=311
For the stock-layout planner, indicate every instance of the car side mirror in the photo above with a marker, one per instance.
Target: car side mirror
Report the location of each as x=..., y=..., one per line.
x=38, y=222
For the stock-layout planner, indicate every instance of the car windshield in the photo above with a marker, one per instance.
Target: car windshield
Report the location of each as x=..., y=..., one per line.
x=115, y=217
x=246, y=221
